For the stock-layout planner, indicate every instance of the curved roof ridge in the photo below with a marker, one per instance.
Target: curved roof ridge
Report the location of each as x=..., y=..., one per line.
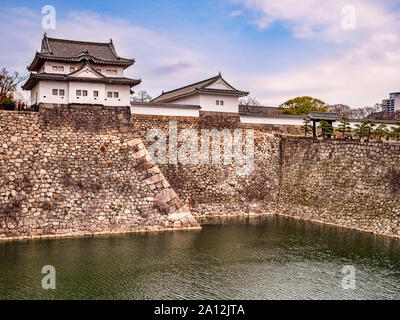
x=78, y=41
x=201, y=86
x=194, y=85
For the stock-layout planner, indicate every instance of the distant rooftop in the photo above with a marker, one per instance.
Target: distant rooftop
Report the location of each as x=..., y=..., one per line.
x=323, y=116
x=248, y=109
x=198, y=87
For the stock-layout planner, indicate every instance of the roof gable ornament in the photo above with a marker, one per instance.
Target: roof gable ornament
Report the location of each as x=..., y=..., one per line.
x=87, y=71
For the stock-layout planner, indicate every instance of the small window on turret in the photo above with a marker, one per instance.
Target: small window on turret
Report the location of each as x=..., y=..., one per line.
x=112, y=72
x=58, y=68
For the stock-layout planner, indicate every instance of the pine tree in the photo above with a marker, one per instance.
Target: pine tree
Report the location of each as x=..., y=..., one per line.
x=306, y=128
x=381, y=131
x=361, y=130
x=369, y=126
x=395, y=132
x=326, y=127
x=344, y=126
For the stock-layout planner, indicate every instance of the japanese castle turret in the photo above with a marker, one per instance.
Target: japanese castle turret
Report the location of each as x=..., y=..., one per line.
x=79, y=72
x=210, y=95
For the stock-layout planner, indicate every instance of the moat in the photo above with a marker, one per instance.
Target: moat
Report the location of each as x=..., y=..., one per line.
x=256, y=258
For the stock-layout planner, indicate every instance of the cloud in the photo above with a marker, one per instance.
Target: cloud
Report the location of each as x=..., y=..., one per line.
x=236, y=13
x=316, y=18
x=172, y=67
x=156, y=53
x=362, y=69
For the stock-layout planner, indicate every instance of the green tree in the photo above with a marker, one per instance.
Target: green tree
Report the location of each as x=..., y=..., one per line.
x=344, y=126
x=306, y=128
x=361, y=130
x=395, y=132
x=365, y=129
x=369, y=126
x=381, y=131
x=326, y=127
x=9, y=104
x=302, y=106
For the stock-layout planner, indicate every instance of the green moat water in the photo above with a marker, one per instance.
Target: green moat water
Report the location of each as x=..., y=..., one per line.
x=257, y=258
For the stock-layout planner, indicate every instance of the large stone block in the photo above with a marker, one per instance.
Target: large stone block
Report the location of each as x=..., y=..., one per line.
x=166, y=195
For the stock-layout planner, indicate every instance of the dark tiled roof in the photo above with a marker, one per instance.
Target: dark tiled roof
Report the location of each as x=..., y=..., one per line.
x=76, y=51
x=197, y=87
x=273, y=116
x=35, y=77
x=323, y=115
x=259, y=110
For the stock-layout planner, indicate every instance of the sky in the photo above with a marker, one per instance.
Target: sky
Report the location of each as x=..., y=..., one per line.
x=344, y=52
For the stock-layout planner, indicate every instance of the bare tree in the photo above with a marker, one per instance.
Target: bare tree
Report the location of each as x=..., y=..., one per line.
x=141, y=96
x=354, y=113
x=385, y=115
x=341, y=110
x=8, y=84
x=249, y=101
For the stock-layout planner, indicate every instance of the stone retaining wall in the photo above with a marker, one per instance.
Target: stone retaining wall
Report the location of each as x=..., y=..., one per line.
x=217, y=189
x=346, y=183
x=85, y=170
x=70, y=171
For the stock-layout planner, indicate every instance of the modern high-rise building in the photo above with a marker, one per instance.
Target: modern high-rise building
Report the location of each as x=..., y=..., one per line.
x=393, y=104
